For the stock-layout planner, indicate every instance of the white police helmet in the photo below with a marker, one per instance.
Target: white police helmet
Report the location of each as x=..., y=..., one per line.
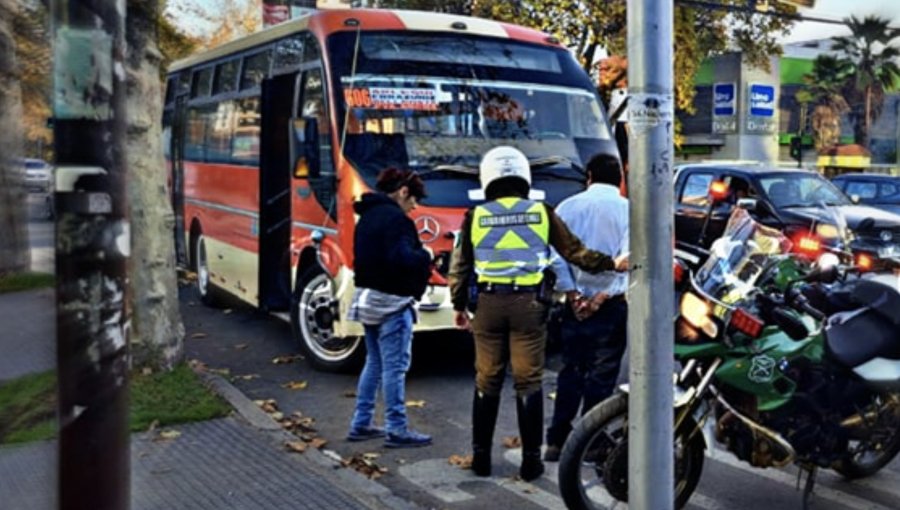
x=501, y=162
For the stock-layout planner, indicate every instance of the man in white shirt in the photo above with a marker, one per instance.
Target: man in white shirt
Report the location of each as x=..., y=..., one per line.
x=593, y=330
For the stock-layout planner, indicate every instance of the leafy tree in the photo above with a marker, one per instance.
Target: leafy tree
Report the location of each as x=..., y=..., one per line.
x=589, y=26
x=219, y=21
x=824, y=92
x=874, y=60
x=32, y=33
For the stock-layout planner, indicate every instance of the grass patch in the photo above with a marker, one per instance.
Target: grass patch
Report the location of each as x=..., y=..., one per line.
x=16, y=282
x=28, y=404
x=28, y=408
x=172, y=397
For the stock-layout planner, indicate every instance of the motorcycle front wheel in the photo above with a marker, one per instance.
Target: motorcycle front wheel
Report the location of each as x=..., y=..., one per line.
x=595, y=457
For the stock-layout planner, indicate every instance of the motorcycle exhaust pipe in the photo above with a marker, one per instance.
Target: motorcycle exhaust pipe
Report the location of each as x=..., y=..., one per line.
x=869, y=417
x=775, y=437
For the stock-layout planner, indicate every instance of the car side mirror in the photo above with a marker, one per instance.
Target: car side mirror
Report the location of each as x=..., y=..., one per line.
x=304, y=147
x=748, y=204
x=854, y=198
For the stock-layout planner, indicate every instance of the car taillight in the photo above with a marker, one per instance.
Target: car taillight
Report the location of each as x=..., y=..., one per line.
x=746, y=323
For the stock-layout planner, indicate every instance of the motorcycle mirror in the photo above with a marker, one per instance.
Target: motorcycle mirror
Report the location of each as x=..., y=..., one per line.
x=790, y=324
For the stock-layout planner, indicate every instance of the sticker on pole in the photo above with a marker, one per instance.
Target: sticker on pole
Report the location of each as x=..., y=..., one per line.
x=762, y=100
x=724, y=99
x=648, y=111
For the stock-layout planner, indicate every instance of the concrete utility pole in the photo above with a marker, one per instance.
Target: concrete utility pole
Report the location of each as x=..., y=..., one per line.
x=92, y=250
x=651, y=121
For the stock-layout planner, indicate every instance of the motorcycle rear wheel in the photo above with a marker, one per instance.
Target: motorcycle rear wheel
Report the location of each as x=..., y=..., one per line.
x=603, y=432
x=870, y=460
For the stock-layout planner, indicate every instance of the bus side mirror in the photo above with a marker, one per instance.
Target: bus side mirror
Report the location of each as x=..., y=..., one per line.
x=748, y=204
x=304, y=137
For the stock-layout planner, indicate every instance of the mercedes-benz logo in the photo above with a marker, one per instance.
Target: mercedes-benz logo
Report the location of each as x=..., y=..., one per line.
x=886, y=236
x=428, y=228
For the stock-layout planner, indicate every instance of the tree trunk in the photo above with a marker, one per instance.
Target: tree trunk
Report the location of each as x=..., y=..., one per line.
x=15, y=255
x=867, y=121
x=157, y=331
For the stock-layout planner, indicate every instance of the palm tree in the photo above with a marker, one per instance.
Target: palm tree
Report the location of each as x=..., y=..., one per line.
x=823, y=90
x=874, y=60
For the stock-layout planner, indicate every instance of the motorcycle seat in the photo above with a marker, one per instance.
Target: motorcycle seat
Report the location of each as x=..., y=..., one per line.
x=856, y=337
x=882, y=298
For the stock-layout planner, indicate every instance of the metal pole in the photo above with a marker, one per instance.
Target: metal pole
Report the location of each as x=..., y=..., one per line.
x=92, y=250
x=650, y=296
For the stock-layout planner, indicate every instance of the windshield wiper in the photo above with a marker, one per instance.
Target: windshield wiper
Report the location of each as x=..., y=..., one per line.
x=537, y=163
x=451, y=169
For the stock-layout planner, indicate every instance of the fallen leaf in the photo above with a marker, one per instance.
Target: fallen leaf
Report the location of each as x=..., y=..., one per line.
x=198, y=365
x=221, y=371
x=168, y=434
x=461, y=461
x=415, y=403
x=365, y=464
x=370, y=456
x=512, y=442
x=318, y=443
x=268, y=405
x=295, y=385
x=295, y=446
x=350, y=394
x=246, y=377
x=285, y=359
x=277, y=415
x=241, y=347
x=199, y=335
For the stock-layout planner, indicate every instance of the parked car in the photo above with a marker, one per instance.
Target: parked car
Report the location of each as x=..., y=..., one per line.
x=38, y=176
x=805, y=205
x=877, y=190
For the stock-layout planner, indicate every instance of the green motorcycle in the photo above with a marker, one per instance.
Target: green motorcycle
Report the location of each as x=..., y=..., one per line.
x=780, y=364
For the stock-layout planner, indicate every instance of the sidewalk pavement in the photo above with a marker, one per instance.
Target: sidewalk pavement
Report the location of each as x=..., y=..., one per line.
x=238, y=462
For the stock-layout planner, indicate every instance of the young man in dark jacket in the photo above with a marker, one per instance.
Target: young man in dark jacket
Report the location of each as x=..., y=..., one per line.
x=391, y=273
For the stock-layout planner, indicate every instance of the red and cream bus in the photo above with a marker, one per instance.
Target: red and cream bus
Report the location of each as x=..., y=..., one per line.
x=271, y=138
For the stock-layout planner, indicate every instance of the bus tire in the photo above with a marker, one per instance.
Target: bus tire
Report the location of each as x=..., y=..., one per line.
x=312, y=324
x=209, y=293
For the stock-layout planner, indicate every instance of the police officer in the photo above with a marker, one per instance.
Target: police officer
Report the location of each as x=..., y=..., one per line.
x=504, y=246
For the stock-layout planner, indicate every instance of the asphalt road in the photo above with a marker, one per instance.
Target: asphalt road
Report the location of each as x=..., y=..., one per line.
x=245, y=342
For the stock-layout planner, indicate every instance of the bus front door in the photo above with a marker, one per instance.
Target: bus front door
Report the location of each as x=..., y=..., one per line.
x=275, y=194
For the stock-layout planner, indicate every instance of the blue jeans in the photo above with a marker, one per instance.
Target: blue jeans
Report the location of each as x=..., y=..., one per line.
x=388, y=355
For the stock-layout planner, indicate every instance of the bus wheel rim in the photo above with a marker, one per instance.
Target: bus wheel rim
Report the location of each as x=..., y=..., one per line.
x=316, y=322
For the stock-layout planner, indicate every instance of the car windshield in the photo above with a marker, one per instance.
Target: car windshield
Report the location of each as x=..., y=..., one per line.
x=787, y=190
x=438, y=103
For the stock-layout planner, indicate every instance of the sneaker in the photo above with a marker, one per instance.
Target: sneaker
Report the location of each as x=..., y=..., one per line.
x=364, y=434
x=408, y=439
x=551, y=454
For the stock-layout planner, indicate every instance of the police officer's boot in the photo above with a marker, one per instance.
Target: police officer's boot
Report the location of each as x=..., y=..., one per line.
x=484, y=418
x=530, y=411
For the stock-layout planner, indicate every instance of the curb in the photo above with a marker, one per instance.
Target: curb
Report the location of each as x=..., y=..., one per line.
x=368, y=492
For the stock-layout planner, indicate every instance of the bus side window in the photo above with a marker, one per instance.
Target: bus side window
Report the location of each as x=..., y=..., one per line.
x=314, y=106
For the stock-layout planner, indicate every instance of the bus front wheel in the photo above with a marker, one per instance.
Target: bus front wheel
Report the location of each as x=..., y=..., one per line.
x=312, y=321
x=209, y=293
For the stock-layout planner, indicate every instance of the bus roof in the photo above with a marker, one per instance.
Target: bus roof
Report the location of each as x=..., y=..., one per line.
x=328, y=21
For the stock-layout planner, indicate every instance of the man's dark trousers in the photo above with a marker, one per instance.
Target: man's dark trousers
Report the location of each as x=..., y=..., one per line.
x=592, y=353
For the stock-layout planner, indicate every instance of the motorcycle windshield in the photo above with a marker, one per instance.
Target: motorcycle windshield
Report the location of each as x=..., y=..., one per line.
x=738, y=258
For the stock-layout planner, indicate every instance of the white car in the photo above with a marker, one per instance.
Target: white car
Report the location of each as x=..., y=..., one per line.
x=38, y=176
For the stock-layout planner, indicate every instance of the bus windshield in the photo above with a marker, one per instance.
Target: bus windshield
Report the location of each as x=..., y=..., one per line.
x=437, y=103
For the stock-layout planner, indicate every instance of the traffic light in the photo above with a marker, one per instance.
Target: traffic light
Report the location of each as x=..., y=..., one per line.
x=797, y=149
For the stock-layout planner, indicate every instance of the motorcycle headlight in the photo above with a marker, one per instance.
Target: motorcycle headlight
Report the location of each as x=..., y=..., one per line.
x=696, y=312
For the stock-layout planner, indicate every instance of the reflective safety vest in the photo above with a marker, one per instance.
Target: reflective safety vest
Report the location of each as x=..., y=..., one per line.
x=511, y=241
